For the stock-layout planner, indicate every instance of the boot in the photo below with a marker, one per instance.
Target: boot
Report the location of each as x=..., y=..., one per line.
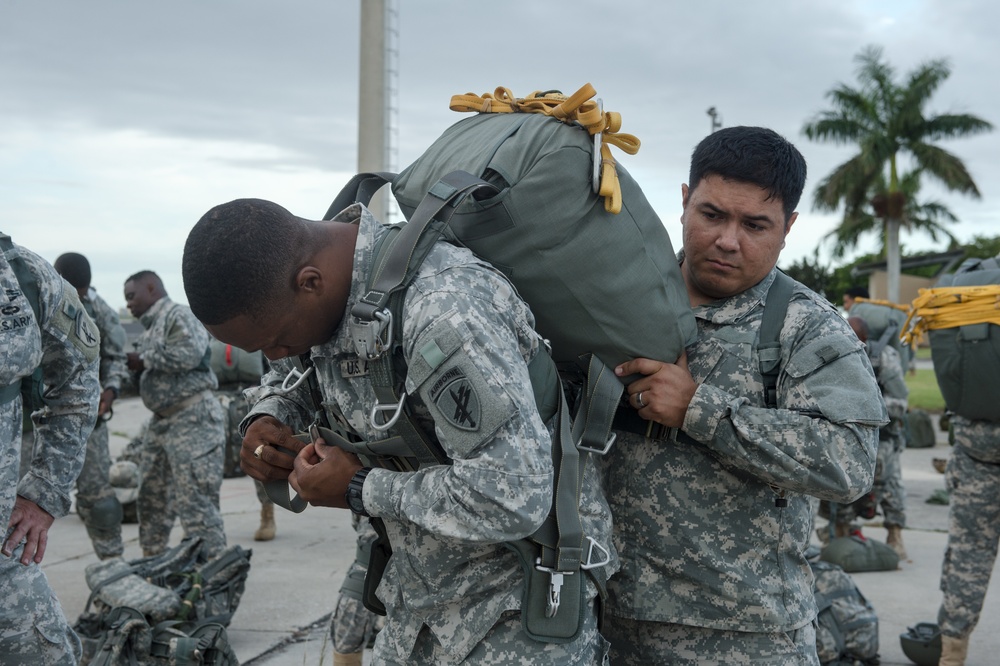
x=953, y=651
x=347, y=659
x=895, y=540
x=267, y=527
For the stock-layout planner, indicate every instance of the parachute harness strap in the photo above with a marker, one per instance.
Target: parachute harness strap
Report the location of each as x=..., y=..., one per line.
x=579, y=108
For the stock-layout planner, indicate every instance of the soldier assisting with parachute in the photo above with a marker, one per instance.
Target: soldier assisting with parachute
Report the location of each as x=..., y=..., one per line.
x=484, y=565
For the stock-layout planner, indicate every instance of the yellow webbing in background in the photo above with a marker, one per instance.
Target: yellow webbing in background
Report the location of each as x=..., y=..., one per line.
x=577, y=108
x=950, y=307
x=879, y=301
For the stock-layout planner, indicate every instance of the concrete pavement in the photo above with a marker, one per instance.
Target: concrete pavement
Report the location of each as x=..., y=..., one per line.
x=293, y=581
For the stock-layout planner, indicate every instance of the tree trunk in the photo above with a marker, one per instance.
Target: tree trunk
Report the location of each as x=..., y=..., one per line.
x=892, y=258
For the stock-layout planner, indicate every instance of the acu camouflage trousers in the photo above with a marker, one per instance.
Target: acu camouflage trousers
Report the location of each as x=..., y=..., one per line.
x=973, y=537
x=181, y=475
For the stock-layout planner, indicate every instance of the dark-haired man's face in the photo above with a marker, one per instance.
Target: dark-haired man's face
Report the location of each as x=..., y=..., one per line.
x=140, y=295
x=733, y=235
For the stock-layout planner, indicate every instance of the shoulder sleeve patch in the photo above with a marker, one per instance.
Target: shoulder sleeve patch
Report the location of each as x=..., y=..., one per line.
x=467, y=409
x=74, y=322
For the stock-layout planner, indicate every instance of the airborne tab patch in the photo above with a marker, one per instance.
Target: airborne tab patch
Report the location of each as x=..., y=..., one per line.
x=457, y=400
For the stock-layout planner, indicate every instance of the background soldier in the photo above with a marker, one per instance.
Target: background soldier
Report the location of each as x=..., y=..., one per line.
x=973, y=477
x=182, y=455
x=888, y=489
x=712, y=514
x=64, y=341
x=96, y=501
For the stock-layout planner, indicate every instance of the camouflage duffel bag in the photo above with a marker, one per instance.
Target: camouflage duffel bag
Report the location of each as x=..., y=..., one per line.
x=156, y=609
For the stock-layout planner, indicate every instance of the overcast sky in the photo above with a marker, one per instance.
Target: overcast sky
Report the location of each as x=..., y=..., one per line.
x=122, y=122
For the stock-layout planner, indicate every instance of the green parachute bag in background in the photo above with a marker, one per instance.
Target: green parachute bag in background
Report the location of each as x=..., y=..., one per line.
x=919, y=429
x=967, y=357
x=885, y=323
x=236, y=370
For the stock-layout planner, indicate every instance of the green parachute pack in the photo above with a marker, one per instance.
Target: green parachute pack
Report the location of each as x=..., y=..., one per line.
x=964, y=324
x=885, y=324
x=530, y=186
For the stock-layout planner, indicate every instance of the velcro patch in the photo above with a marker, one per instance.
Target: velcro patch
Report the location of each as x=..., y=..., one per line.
x=457, y=400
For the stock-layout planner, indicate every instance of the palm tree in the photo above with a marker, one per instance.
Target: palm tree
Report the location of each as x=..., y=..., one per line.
x=885, y=119
x=867, y=216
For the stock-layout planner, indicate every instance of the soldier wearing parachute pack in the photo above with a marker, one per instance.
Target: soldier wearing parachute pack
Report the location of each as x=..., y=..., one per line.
x=435, y=377
x=452, y=591
x=960, y=317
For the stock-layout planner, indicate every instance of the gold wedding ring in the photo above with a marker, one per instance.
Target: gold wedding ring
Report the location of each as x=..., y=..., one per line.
x=259, y=450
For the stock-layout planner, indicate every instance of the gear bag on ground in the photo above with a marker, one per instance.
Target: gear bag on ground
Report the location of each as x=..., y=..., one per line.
x=171, y=608
x=846, y=626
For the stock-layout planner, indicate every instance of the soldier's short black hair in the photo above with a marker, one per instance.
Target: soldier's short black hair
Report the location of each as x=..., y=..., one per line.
x=238, y=259
x=74, y=268
x=755, y=155
x=857, y=292
x=144, y=275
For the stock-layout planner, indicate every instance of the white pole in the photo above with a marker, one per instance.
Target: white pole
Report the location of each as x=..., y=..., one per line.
x=372, y=106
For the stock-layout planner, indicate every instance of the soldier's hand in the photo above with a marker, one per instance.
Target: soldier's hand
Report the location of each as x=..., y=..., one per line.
x=322, y=473
x=269, y=448
x=134, y=362
x=107, y=399
x=30, y=522
x=666, y=389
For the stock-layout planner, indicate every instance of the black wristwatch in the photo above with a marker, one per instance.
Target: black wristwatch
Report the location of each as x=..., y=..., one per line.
x=354, y=492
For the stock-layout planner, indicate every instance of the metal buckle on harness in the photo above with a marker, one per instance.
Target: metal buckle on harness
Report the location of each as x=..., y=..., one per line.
x=296, y=377
x=367, y=335
x=602, y=451
x=589, y=563
x=596, y=175
x=553, y=598
x=397, y=410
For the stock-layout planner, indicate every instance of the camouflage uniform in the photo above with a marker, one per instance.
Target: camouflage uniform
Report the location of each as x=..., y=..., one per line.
x=33, y=629
x=351, y=624
x=888, y=486
x=452, y=589
x=92, y=487
x=973, y=477
x=182, y=455
x=711, y=523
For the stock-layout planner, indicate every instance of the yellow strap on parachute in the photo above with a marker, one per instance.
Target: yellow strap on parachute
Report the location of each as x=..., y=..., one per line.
x=879, y=301
x=950, y=307
x=577, y=108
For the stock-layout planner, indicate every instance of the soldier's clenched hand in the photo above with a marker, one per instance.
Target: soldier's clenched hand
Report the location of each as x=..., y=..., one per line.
x=322, y=473
x=664, y=393
x=269, y=448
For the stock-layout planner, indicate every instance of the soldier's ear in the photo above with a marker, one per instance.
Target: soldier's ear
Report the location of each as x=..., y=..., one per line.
x=309, y=279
